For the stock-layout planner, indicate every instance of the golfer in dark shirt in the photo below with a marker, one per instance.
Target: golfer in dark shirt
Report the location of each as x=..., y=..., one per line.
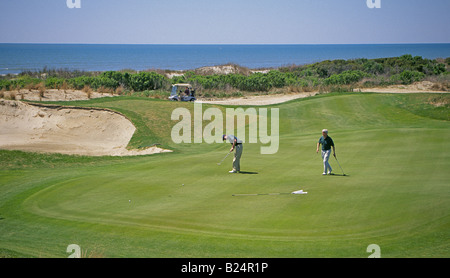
x=327, y=143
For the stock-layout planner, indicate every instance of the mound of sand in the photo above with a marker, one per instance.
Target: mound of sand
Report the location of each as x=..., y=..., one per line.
x=66, y=130
x=220, y=69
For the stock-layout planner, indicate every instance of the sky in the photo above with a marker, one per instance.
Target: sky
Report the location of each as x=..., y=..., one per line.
x=225, y=21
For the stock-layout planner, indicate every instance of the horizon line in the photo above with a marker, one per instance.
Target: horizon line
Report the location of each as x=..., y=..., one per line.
x=211, y=44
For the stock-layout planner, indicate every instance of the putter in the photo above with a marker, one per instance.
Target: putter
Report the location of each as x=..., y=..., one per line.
x=224, y=158
x=340, y=166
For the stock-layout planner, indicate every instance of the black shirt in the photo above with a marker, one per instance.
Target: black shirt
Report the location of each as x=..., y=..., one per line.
x=327, y=143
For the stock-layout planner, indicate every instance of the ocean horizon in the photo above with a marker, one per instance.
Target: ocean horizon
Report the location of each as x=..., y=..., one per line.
x=18, y=57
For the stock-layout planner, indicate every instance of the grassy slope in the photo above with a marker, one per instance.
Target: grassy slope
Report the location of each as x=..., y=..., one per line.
x=396, y=194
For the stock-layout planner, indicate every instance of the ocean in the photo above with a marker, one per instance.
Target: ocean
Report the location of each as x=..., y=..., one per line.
x=15, y=58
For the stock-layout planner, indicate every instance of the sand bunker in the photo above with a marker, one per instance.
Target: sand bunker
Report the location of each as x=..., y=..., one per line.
x=66, y=130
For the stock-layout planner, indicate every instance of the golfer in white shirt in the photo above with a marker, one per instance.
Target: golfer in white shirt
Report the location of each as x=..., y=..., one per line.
x=236, y=144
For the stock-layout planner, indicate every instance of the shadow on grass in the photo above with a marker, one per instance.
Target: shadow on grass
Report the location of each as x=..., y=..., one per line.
x=248, y=173
x=340, y=175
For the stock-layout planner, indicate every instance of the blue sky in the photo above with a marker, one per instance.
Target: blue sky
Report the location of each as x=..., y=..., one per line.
x=225, y=22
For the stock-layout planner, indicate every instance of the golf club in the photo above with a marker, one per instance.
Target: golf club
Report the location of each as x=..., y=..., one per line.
x=340, y=166
x=224, y=158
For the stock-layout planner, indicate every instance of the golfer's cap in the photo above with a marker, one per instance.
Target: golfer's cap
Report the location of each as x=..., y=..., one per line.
x=325, y=130
x=223, y=137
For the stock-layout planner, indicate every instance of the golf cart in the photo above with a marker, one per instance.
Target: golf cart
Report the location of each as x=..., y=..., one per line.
x=182, y=92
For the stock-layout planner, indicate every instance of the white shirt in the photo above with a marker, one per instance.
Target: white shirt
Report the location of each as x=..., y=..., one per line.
x=231, y=138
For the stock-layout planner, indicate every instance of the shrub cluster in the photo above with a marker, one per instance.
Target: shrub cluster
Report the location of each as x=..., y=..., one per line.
x=253, y=82
x=388, y=66
x=110, y=80
x=383, y=71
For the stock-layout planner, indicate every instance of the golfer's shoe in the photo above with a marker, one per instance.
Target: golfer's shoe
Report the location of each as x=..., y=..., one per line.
x=324, y=174
x=329, y=173
x=232, y=171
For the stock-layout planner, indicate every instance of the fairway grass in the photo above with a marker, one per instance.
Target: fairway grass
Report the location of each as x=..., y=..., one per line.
x=396, y=195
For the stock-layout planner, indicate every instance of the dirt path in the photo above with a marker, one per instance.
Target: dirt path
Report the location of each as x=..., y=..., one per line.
x=418, y=87
x=259, y=100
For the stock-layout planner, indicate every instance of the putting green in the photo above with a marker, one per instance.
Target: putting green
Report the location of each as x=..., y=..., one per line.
x=396, y=192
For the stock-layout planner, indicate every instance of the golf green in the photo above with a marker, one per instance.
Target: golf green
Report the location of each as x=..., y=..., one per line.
x=395, y=193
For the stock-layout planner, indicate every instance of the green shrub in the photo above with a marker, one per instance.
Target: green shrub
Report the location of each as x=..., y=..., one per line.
x=408, y=77
x=322, y=72
x=123, y=79
x=373, y=67
x=78, y=83
x=439, y=68
x=54, y=82
x=276, y=79
x=148, y=81
x=105, y=82
x=22, y=82
x=178, y=79
x=5, y=84
x=345, y=78
x=257, y=82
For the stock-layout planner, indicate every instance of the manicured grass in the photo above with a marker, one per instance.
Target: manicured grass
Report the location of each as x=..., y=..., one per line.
x=180, y=204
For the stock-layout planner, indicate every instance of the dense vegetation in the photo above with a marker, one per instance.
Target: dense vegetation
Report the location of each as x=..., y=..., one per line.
x=327, y=75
